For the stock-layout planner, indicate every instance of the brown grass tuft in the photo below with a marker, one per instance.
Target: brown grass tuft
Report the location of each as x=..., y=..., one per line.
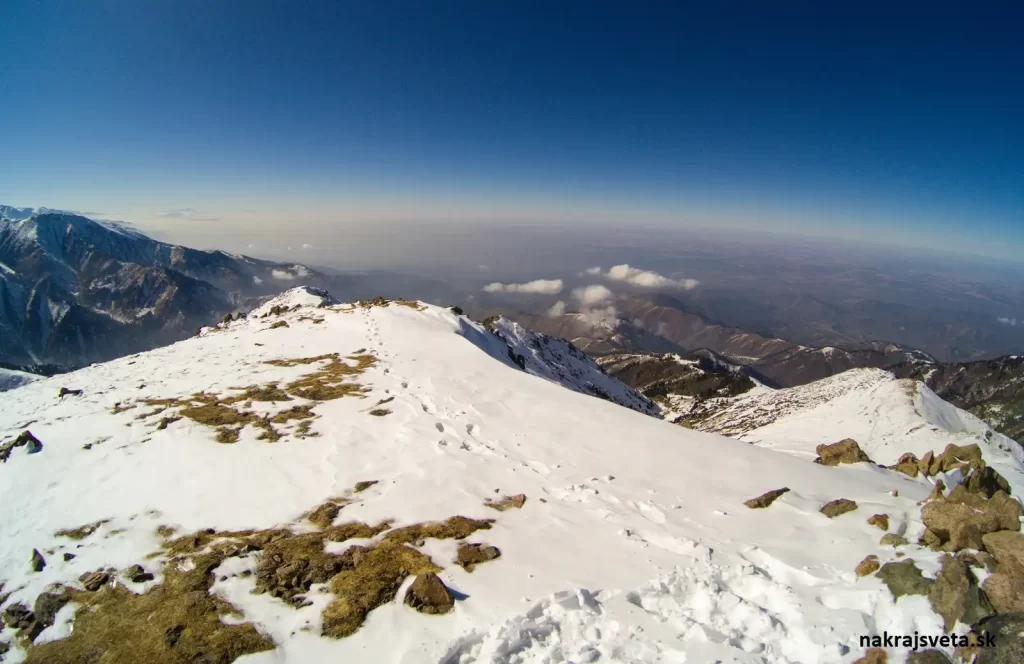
x=278, y=324
x=380, y=412
x=507, y=502
x=457, y=527
x=81, y=532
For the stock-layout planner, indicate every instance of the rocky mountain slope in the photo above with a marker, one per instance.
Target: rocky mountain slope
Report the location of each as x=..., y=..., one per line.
x=645, y=325
x=75, y=291
x=381, y=481
x=990, y=389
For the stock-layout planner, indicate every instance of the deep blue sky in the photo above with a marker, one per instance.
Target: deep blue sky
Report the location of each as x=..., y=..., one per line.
x=902, y=124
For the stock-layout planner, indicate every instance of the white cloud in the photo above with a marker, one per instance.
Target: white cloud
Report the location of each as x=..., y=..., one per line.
x=590, y=299
x=256, y=280
x=643, y=278
x=591, y=295
x=536, y=287
x=557, y=309
x=283, y=275
x=1007, y=321
x=594, y=271
x=307, y=246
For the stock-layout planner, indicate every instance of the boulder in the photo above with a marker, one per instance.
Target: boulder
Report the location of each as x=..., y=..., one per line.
x=957, y=456
x=960, y=521
x=986, y=482
x=880, y=520
x=845, y=451
x=47, y=605
x=1005, y=587
x=37, y=562
x=873, y=656
x=1006, y=629
x=93, y=581
x=955, y=595
x=471, y=555
x=904, y=578
x=428, y=594
x=766, y=499
x=908, y=464
x=867, y=566
x=138, y=574
x=838, y=507
x=893, y=540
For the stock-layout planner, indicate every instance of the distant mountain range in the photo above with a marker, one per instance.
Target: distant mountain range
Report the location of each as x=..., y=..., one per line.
x=75, y=291
x=646, y=325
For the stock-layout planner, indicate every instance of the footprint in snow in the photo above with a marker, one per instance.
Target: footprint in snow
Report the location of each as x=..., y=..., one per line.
x=439, y=427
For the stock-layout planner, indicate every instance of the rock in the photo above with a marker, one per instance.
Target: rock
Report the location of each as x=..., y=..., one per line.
x=1005, y=629
x=908, y=464
x=93, y=581
x=903, y=578
x=957, y=456
x=766, y=499
x=893, y=540
x=960, y=521
x=867, y=566
x=1005, y=587
x=18, y=616
x=838, y=507
x=845, y=451
x=172, y=635
x=928, y=657
x=428, y=594
x=471, y=555
x=1006, y=546
x=65, y=391
x=138, y=574
x=47, y=605
x=68, y=556
x=873, y=656
x=37, y=562
x=986, y=482
x=1005, y=590
x=23, y=439
x=880, y=520
x=955, y=595
x=938, y=491
x=925, y=464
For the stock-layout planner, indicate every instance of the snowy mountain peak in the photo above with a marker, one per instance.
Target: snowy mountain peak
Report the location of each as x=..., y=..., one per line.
x=300, y=296
x=380, y=481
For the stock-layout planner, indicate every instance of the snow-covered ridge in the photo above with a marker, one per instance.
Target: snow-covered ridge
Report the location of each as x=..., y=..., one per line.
x=887, y=416
x=632, y=542
x=559, y=361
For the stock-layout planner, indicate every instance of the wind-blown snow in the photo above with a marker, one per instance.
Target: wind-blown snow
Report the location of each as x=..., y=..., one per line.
x=640, y=551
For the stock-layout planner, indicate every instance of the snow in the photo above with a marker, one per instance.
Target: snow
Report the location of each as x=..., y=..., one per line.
x=10, y=379
x=641, y=552
x=885, y=415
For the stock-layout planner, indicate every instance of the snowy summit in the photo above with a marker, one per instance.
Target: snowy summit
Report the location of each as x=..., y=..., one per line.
x=390, y=481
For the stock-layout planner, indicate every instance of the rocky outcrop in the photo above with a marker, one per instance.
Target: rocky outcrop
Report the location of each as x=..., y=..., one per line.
x=766, y=498
x=838, y=507
x=955, y=594
x=904, y=578
x=428, y=594
x=845, y=451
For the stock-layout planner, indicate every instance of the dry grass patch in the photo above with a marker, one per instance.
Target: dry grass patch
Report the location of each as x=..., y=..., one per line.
x=81, y=532
x=363, y=485
x=176, y=621
x=380, y=412
x=328, y=382
x=121, y=407
x=278, y=324
x=268, y=392
x=507, y=502
x=373, y=580
x=457, y=527
x=384, y=302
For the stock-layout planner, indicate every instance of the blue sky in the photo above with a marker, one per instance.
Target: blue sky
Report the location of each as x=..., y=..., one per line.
x=890, y=124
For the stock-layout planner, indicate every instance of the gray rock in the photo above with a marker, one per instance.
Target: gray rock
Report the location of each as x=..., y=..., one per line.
x=904, y=578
